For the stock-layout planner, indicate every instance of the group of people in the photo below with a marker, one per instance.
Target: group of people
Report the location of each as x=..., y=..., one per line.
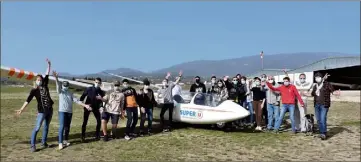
x=254, y=94
x=263, y=97
x=111, y=105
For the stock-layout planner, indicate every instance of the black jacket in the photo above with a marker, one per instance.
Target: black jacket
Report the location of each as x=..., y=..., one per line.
x=146, y=100
x=91, y=93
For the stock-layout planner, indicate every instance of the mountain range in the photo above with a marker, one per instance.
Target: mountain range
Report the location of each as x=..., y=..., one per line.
x=243, y=65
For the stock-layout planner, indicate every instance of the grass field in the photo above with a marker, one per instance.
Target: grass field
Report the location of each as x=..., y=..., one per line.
x=183, y=144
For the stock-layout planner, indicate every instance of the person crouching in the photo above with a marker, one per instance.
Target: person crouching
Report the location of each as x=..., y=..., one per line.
x=114, y=103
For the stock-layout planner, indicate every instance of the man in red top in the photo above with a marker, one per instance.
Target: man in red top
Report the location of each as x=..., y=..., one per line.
x=288, y=93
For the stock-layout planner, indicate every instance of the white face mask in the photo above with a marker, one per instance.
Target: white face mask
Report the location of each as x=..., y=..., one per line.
x=263, y=79
x=302, y=80
x=243, y=81
x=96, y=85
x=270, y=81
x=146, y=87
x=318, y=79
x=125, y=85
x=65, y=88
x=213, y=81
x=38, y=82
x=257, y=83
x=286, y=83
x=164, y=83
x=220, y=85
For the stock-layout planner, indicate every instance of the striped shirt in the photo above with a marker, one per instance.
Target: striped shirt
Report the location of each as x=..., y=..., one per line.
x=166, y=93
x=66, y=99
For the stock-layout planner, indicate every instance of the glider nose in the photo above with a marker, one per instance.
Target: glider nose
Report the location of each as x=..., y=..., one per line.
x=241, y=111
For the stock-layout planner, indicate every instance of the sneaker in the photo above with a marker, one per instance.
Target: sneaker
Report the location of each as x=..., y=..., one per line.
x=165, y=130
x=97, y=138
x=44, y=145
x=32, y=149
x=323, y=137
x=276, y=131
x=150, y=133
x=114, y=137
x=83, y=140
x=140, y=134
x=61, y=146
x=105, y=139
x=66, y=143
x=126, y=137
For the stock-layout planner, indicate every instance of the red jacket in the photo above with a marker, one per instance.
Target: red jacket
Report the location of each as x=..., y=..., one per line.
x=288, y=93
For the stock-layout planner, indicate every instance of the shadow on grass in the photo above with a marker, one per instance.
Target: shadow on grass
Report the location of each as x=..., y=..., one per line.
x=336, y=130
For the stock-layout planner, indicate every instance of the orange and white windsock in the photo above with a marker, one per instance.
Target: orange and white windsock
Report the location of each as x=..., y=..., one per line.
x=19, y=73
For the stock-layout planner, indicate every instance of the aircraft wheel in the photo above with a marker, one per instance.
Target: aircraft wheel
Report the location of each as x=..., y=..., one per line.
x=221, y=125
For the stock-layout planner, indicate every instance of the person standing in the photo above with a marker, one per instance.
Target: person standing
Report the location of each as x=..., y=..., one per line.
x=113, y=108
x=167, y=100
x=265, y=109
x=198, y=86
x=90, y=93
x=66, y=99
x=258, y=101
x=249, y=102
x=44, y=106
x=273, y=103
x=131, y=107
x=146, y=103
x=321, y=93
x=289, y=94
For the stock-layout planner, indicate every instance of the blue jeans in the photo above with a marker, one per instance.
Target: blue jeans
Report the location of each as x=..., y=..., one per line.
x=273, y=114
x=149, y=114
x=64, y=125
x=321, y=117
x=39, y=121
x=250, y=109
x=291, y=109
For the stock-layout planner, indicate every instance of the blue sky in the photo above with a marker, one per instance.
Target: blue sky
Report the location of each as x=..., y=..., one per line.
x=86, y=37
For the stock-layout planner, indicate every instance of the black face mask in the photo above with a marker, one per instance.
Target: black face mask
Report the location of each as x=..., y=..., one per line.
x=197, y=80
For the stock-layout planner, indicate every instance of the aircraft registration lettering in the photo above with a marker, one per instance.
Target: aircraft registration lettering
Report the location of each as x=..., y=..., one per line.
x=191, y=114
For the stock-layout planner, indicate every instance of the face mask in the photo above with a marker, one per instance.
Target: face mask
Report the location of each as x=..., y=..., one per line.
x=117, y=88
x=197, y=80
x=146, y=87
x=263, y=79
x=286, y=83
x=96, y=85
x=213, y=81
x=302, y=80
x=125, y=85
x=220, y=85
x=258, y=83
x=243, y=81
x=235, y=82
x=65, y=88
x=318, y=79
x=38, y=82
x=270, y=81
x=165, y=84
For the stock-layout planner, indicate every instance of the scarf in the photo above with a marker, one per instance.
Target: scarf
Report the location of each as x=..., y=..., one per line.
x=318, y=88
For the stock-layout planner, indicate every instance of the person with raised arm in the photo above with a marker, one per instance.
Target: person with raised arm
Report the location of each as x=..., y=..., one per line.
x=44, y=106
x=167, y=100
x=90, y=93
x=114, y=102
x=321, y=94
x=289, y=94
x=66, y=99
x=273, y=103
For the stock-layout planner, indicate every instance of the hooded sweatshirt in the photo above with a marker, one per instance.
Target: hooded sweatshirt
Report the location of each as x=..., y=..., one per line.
x=114, y=102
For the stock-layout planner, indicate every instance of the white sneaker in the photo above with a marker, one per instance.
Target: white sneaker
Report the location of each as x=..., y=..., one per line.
x=127, y=138
x=66, y=143
x=60, y=146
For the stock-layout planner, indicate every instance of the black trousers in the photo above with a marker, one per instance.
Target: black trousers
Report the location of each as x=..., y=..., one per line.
x=169, y=107
x=132, y=119
x=85, y=122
